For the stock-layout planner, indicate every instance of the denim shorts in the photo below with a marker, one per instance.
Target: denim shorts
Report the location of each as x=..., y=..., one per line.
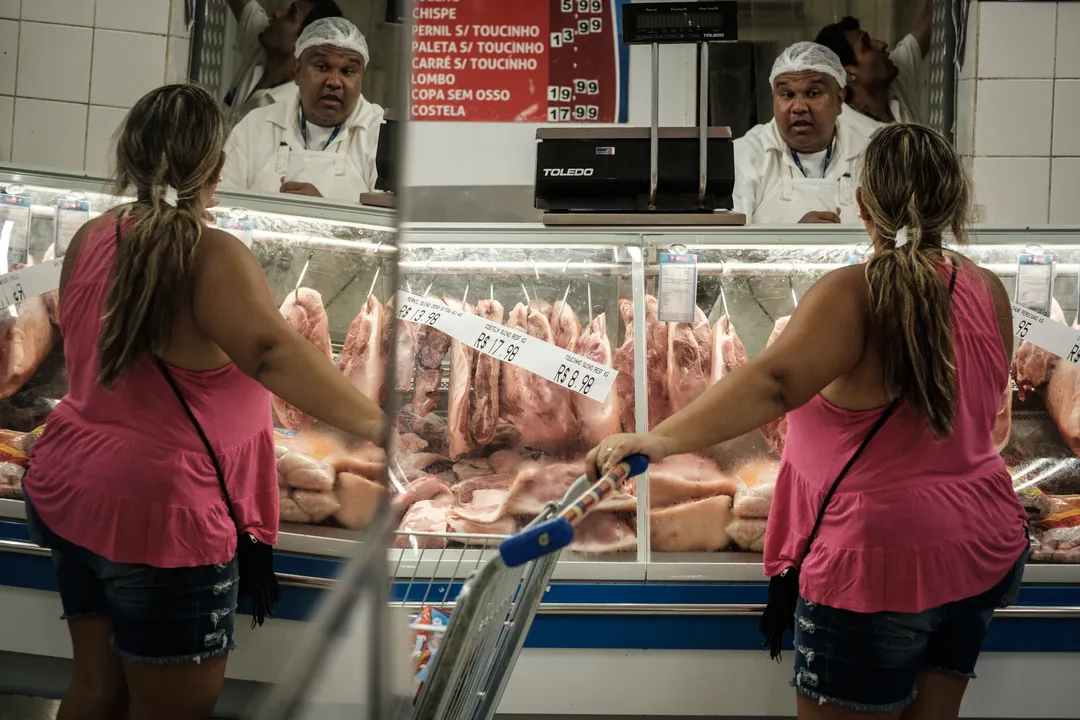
x=160, y=616
x=869, y=662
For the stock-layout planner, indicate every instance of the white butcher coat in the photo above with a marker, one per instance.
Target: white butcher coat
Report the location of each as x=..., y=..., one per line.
x=243, y=94
x=267, y=145
x=771, y=189
x=905, y=92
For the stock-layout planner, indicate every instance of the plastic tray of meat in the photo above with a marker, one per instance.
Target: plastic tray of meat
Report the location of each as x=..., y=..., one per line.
x=496, y=604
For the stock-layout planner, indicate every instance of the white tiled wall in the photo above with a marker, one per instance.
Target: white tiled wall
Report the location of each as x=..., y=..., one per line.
x=1018, y=97
x=71, y=69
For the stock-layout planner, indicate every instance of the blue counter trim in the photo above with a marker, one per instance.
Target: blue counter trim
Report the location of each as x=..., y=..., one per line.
x=617, y=632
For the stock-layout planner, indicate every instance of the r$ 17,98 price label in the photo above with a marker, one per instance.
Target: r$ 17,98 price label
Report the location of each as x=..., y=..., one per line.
x=510, y=345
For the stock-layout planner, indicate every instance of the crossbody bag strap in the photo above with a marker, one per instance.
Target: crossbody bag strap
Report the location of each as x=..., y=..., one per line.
x=202, y=436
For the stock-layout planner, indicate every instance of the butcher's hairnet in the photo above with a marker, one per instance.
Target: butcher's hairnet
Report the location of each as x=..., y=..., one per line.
x=809, y=57
x=335, y=32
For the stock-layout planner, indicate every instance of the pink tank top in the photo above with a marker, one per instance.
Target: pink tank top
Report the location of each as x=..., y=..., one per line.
x=915, y=523
x=123, y=473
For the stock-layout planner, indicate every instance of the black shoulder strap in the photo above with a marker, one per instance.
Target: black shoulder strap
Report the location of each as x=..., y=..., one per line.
x=866, y=441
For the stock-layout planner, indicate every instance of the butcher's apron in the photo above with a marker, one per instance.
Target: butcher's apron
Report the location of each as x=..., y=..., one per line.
x=789, y=200
x=332, y=171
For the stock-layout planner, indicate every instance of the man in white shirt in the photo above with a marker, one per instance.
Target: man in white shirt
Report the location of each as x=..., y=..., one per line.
x=266, y=46
x=797, y=168
x=321, y=139
x=883, y=86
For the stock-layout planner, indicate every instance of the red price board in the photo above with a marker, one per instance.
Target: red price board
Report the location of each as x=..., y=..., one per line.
x=518, y=61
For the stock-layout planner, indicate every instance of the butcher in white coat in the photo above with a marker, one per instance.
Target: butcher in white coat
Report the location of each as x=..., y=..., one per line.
x=321, y=139
x=797, y=168
x=882, y=86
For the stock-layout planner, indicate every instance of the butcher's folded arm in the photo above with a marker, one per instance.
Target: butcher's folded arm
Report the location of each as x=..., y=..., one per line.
x=823, y=341
x=233, y=306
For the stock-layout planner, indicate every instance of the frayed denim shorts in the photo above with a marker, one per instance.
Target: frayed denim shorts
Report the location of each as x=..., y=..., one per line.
x=869, y=662
x=160, y=616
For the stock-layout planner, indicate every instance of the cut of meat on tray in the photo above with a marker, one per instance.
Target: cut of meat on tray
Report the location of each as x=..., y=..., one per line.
x=728, y=351
x=423, y=488
x=1063, y=401
x=565, y=326
x=485, y=411
x=656, y=348
x=505, y=461
x=303, y=473
x=748, y=534
x=538, y=483
x=623, y=362
x=540, y=410
x=699, y=525
x=303, y=310
x=26, y=338
x=407, y=341
x=1003, y=422
x=598, y=419
x=432, y=347
x=424, y=505
x=775, y=432
x=481, y=513
x=601, y=533
x=471, y=468
x=459, y=401
x=289, y=511
x=689, y=360
x=359, y=498
x=680, y=478
x=363, y=358
x=317, y=505
x=1032, y=367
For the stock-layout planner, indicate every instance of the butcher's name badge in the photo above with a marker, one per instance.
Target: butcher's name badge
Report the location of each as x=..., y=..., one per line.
x=562, y=367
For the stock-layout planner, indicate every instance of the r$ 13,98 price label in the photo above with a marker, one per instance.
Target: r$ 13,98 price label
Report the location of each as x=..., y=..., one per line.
x=510, y=345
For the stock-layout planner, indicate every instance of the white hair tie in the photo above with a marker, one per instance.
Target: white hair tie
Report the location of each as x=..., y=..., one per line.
x=901, y=238
x=171, y=196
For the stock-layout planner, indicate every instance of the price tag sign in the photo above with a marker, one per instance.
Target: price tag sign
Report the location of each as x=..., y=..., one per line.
x=1035, y=281
x=16, y=209
x=516, y=347
x=240, y=227
x=70, y=216
x=678, y=287
x=29, y=282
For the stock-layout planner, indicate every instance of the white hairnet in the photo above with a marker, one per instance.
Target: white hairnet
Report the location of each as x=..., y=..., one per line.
x=809, y=57
x=336, y=32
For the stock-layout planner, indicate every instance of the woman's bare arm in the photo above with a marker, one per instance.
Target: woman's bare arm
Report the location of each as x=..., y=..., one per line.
x=1003, y=310
x=823, y=340
x=234, y=307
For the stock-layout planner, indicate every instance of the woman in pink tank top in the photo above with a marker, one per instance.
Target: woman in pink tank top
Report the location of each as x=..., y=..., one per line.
x=162, y=452
x=894, y=525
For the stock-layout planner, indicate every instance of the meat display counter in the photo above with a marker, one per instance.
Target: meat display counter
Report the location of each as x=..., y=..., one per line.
x=329, y=265
x=594, y=293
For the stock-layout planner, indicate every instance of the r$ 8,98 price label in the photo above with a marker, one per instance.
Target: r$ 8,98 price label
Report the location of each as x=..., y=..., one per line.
x=510, y=345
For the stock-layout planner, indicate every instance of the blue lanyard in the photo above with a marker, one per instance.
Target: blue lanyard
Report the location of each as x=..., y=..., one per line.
x=798, y=163
x=337, y=129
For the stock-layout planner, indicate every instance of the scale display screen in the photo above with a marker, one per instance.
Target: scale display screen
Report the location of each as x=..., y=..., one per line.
x=680, y=22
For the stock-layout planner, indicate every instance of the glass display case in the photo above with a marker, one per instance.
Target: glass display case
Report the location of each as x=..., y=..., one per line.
x=707, y=512
x=330, y=264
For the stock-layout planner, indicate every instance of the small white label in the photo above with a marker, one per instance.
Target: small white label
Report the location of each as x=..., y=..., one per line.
x=1039, y=330
x=29, y=282
x=16, y=210
x=241, y=228
x=678, y=287
x=1035, y=281
x=516, y=347
x=70, y=216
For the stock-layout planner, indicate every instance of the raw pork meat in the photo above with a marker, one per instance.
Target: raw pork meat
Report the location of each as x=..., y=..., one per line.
x=728, y=351
x=753, y=502
x=1033, y=365
x=406, y=344
x=317, y=505
x=1063, y=400
x=481, y=513
x=540, y=410
x=565, y=326
x=1003, y=422
x=748, y=534
x=433, y=346
x=303, y=473
x=689, y=360
x=623, y=362
x=304, y=311
x=656, y=361
x=25, y=341
x=52, y=298
x=775, y=432
x=363, y=358
x=424, y=506
x=289, y=511
x=679, y=478
x=471, y=468
x=538, y=483
x=359, y=499
x=600, y=533
x=459, y=401
x=485, y=412
x=598, y=419
x=699, y=525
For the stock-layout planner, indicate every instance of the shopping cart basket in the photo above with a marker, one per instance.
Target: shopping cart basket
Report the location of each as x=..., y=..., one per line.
x=496, y=605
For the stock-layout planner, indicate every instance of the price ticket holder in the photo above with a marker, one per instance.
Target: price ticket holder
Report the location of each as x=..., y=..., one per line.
x=653, y=24
x=15, y=216
x=1035, y=279
x=72, y=212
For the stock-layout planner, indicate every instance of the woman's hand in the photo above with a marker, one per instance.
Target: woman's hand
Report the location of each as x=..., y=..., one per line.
x=612, y=450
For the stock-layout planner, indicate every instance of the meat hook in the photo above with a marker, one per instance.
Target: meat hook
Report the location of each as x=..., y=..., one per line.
x=373, y=281
x=794, y=298
x=303, y=272
x=528, y=302
x=588, y=288
x=723, y=295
